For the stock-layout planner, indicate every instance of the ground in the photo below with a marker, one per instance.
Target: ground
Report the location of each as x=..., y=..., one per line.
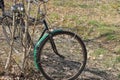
x=98, y=24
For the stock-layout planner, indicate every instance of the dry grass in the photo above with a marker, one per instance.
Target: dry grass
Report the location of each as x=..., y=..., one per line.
x=97, y=22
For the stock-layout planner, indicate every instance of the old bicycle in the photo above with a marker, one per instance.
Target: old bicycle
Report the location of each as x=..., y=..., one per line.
x=58, y=54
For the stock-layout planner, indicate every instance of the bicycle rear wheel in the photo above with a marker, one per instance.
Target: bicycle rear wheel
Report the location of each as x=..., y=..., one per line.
x=18, y=35
x=7, y=31
x=18, y=46
x=53, y=66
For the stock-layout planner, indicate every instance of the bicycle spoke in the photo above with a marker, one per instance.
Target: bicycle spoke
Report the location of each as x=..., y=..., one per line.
x=68, y=45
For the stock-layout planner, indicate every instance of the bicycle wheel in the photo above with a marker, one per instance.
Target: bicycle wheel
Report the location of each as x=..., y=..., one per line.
x=18, y=48
x=7, y=31
x=18, y=35
x=53, y=66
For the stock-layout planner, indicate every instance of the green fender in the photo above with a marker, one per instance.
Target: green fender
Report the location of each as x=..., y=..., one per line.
x=37, y=45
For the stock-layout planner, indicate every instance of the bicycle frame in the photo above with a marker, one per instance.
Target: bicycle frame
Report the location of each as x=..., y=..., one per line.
x=46, y=29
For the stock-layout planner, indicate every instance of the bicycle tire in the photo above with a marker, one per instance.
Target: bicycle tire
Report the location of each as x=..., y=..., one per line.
x=45, y=61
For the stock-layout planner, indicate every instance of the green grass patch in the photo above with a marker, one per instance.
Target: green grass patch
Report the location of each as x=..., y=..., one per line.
x=54, y=16
x=118, y=51
x=105, y=7
x=65, y=3
x=72, y=17
x=104, y=29
x=118, y=59
x=72, y=3
x=99, y=51
x=98, y=24
x=94, y=23
x=108, y=62
x=84, y=6
x=111, y=37
x=119, y=76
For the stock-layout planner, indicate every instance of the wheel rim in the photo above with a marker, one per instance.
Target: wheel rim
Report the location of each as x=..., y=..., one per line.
x=68, y=68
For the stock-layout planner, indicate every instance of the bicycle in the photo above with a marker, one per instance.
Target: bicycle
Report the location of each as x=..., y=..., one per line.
x=13, y=25
x=58, y=54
